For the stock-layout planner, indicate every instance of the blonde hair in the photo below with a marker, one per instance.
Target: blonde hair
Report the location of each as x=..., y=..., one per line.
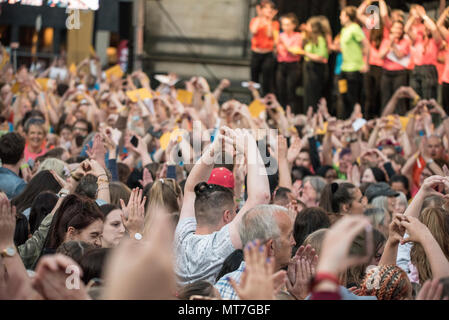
x=317, y=29
x=315, y=239
x=118, y=190
x=163, y=197
x=325, y=25
x=58, y=166
x=437, y=221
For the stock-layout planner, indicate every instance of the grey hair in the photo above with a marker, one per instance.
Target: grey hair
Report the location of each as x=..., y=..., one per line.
x=380, y=202
x=376, y=215
x=260, y=223
x=402, y=197
x=318, y=184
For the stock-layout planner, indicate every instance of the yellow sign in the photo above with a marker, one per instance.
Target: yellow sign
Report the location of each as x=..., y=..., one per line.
x=256, y=108
x=43, y=82
x=140, y=94
x=184, y=96
x=164, y=140
x=114, y=71
x=404, y=121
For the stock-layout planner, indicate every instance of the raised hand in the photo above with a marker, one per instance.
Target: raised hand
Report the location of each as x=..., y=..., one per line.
x=98, y=150
x=257, y=281
x=294, y=150
x=146, y=179
x=431, y=290
x=52, y=279
x=133, y=216
x=416, y=230
x=301, y=269
x=7, y=223
x=432, y=182
x=395, y=229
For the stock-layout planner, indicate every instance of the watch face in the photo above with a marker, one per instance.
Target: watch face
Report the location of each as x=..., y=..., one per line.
x=10, y=251
x=138, y=236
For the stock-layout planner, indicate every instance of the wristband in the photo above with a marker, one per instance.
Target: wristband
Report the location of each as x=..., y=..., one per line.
x=24, y=166
x=321, y=276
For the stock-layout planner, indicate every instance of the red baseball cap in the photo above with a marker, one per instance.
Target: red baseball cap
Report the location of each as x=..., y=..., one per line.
x=222, y=177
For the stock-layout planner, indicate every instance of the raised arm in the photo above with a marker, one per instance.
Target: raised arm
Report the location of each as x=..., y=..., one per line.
x=258, y=187
x=429, y=24
x=361, y=11
x=408, y=27
x=419, y=233
x=395, y=234
x=426, y=190
x=441, y=24
x=200, y=172
x=285, y=179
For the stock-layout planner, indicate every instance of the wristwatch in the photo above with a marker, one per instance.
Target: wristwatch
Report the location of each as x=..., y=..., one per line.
x=8, y=252
x=138, y=236
x=63, y=193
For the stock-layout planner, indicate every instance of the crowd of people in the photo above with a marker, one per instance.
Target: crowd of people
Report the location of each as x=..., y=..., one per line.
x=113, y=187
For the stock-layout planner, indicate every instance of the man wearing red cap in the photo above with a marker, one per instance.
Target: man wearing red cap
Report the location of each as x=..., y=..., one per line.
x=223, y=177
x=207, y=232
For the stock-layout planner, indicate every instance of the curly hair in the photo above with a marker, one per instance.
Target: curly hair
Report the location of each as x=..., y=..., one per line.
x=388, y=282
x=437, y=220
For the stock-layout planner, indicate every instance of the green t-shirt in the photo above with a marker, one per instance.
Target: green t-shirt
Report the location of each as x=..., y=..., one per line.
x=320, y=48
x=351, y=48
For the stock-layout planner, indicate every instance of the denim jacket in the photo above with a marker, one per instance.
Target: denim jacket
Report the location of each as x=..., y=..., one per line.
x=11, y=183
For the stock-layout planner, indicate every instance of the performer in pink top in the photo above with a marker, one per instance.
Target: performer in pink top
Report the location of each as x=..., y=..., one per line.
x=395, y=50
x=375, y=30
x=441, y=24
x=426, y=40
x=288, y=70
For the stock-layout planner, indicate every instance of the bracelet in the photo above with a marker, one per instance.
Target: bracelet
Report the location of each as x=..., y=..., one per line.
x=103, y=188
x=321, y=276
x=24, y=166
x=102, y=180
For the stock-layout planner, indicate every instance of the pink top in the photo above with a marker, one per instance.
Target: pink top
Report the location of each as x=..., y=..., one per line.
x=425, y=52
x=29, y=155
x=445, y=77
x=403, y=46
x=374, y=53
x=292, y=41
x=419, y=30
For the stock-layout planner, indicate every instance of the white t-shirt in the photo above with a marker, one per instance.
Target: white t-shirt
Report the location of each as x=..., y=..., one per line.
x=200, y=257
